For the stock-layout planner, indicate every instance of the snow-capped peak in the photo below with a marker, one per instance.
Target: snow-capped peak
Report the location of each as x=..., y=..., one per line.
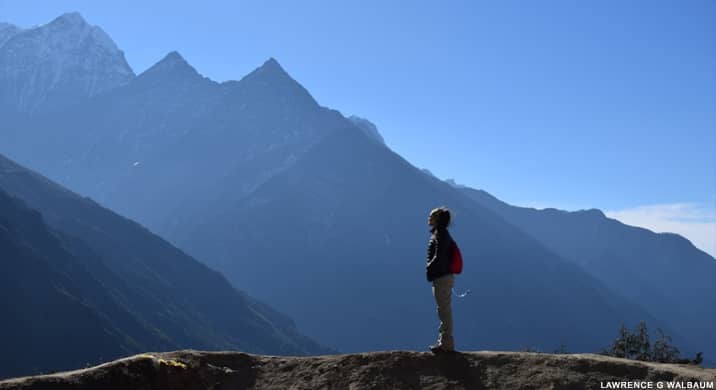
x=66, y=54
x=73, y=26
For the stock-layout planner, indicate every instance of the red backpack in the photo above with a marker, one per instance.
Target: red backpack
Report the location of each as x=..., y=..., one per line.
x=455, y=259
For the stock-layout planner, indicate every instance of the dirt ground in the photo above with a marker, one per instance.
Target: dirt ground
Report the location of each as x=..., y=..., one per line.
x=376, y=370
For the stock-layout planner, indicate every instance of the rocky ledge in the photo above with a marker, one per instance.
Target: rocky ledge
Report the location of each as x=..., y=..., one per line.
x=376, y=370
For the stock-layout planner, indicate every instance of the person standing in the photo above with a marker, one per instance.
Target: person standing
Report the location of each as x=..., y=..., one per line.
x=438, y=273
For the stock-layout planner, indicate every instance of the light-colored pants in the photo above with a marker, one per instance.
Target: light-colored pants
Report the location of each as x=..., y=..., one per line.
x=442, y=291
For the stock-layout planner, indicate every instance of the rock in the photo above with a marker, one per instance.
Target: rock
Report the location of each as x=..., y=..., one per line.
x=376, y=370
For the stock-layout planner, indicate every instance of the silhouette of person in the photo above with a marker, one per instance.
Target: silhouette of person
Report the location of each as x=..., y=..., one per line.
x=438, y=273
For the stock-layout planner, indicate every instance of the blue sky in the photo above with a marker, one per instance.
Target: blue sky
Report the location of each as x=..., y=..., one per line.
x=571, y=104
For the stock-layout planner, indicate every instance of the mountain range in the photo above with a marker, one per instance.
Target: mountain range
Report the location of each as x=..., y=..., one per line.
x=58, y=64
x=664, y=272
x=81, y=284
x=311, y=212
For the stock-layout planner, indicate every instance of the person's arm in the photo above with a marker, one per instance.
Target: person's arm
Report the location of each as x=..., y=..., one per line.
x=432, y=250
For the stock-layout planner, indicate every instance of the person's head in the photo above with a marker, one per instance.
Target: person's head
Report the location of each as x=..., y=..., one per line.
x=439, y=218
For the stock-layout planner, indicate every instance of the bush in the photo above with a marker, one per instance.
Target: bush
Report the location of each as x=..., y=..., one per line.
x=637, y=346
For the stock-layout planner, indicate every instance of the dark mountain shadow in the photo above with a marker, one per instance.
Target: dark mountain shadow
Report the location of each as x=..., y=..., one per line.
x=146, y=294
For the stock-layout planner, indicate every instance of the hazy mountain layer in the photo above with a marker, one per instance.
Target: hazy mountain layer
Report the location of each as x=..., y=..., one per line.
x=311, y=211
x=95, y=272
x=664, y=272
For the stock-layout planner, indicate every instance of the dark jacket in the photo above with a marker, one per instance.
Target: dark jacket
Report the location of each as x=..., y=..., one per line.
x=439, y=254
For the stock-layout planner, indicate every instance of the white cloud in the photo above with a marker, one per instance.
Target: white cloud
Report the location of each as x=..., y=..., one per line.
x=695, y=222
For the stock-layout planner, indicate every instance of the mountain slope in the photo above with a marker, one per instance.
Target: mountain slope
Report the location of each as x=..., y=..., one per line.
x=56, y=314
x=350, y=219
x=310, y=211
x=52, y=66
x=665, y=273
x=383, y=370
x=168, y=127
x=368, y=127
x=164, y=289
x=7, y=31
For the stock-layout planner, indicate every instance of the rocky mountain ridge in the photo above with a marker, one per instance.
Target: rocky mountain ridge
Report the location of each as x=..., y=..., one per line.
x=378, y=370
x=55, y=65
